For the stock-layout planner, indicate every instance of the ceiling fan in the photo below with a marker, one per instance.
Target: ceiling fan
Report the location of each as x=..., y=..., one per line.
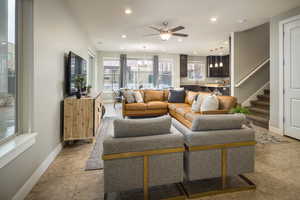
x=166, y=33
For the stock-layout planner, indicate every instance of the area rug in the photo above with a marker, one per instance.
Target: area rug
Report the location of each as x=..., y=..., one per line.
x=95, y=162
x=263, y=136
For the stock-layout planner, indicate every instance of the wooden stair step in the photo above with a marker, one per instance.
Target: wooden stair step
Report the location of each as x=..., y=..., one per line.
x=263, y=97
x=258, y=120
x=260, y=104
x=259, y=110
x=267, y=91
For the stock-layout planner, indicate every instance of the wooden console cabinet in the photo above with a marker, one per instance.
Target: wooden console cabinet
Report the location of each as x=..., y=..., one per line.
x=82, y=117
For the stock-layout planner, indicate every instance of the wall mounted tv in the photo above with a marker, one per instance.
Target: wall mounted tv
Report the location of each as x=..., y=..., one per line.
x=75, y=66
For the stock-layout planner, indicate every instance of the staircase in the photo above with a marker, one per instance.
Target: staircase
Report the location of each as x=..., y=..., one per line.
x=260, y=110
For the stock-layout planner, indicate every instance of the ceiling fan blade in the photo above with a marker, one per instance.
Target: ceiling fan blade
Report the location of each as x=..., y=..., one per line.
x=155, y=28
x=178, y=28
x=180, y=34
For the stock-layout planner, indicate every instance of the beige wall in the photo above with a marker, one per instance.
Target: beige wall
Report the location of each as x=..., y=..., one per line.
x=55, y=33
x=275, y=120
x=251, y=48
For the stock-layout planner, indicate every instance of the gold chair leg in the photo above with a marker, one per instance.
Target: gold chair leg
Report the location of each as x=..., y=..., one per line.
x=146, y=174
x=224, y=166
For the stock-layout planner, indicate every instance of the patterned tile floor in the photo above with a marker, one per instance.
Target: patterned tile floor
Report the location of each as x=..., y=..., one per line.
x=277, y=175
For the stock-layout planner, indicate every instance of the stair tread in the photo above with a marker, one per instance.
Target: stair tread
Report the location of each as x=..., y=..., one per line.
x=259, y=110
x=258, y=118
x=263, y=96
x=259, y=102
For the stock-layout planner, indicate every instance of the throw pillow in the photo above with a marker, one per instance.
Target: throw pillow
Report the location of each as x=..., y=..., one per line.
x=197, y=103
x=176, y=96
x=138, y=97
x=190, y=97
x=129, y=96
x=142, y=127
x=210, y=102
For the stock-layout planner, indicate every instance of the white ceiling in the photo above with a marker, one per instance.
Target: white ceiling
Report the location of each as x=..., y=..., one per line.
x=105, y=22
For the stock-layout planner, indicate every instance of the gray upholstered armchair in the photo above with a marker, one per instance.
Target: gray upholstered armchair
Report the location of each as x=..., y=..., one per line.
x=218, y=146
x=142, y=153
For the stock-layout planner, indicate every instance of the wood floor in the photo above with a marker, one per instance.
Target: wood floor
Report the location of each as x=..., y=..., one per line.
x=277, y=174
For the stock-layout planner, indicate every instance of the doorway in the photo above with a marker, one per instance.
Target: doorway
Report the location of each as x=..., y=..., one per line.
x=291, y=80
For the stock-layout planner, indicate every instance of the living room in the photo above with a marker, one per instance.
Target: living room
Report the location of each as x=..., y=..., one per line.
x=149, y=99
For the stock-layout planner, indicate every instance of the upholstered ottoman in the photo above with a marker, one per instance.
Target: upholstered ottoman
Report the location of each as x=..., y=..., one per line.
x=140, y=153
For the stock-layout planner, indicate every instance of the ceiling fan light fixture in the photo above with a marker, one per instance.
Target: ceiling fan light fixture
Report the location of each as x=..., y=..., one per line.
x=165, y=36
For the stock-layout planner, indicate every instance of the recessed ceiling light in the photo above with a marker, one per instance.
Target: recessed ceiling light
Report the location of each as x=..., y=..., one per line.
x=179, y=39
x=122, y=48
x=124, y=36
x=213, y=19
x=128, y=11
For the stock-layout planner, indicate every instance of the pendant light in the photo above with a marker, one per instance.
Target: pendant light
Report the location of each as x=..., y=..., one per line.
x=221, y=63
x=221, y=56
x=211, y=65
x=216, y=60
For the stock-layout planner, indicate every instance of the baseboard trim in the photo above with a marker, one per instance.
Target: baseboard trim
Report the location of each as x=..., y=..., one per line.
x=276, y=130
x=254, y=96
x=30, y=183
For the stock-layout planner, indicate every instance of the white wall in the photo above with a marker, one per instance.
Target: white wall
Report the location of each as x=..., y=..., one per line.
x=55, y=33
x=250, y=48
x=275, y=120
x=101, y=54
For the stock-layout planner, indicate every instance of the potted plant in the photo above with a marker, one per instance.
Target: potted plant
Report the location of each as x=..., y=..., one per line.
x=88, y=89
x=241, y=110
x=79, y=84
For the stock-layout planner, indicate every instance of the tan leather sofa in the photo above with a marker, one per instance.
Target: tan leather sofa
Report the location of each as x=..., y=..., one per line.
x=155, y=104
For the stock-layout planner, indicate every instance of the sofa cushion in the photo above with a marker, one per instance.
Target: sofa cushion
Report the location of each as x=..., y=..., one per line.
x=183, y=110
x=135, y=106
x=227, y=102
x=152, y=105
x=218, y=122
x=190, y=97
x=173, y=106
x=176, y=96
x=190, y=116
x=142, y=127
x=153, y=95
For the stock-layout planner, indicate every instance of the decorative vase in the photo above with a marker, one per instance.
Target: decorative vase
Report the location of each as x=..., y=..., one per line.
x=78, y=94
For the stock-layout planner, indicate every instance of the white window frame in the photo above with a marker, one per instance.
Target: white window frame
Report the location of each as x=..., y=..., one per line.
x=25, y=137
x=204, y=72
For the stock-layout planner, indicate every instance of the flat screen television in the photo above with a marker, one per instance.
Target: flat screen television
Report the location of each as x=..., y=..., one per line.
x=76, y=65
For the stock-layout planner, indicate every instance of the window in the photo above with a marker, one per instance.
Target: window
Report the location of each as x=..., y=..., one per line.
x=111, y=73
x=196, y=70
x=165, y=73
x=139, y=73
x=7, y=69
